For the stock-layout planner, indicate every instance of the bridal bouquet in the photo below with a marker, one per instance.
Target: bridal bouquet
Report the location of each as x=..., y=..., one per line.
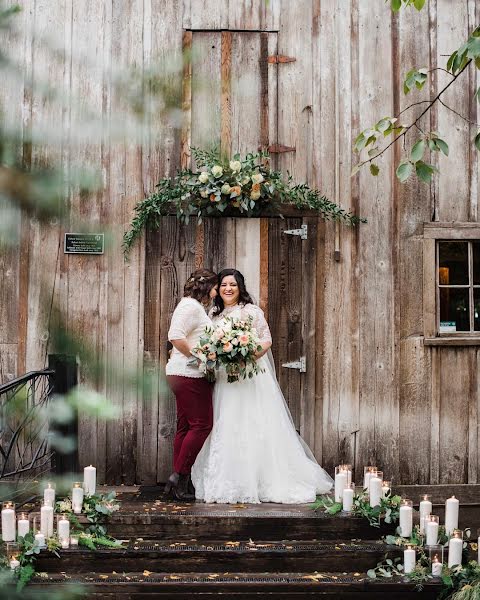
x=232, y=345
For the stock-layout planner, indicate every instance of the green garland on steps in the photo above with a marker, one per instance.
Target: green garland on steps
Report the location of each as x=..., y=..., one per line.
x=97, y=508
x=228, y=187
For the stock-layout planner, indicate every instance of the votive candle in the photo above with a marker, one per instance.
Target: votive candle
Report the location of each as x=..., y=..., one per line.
x=23, y=525
x=406, y=518
x=431, y=530
x=89, y=480
x=452, y=506
x=436, y=567
x=348, y=494
x=46, y=520
x=49, y=495
x=386, y=487
x=8, y=522
x=409, y=559
x=425, y=509
x=455, y=547
x=77, y=497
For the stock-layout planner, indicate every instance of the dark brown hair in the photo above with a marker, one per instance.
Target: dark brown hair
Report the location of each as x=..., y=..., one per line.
x=199, y=285
x=244, y=297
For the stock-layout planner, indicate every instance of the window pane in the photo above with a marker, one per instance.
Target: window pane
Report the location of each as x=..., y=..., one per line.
x=453, y=263
x=476, y=263
x=454, y=309
x=476, y=308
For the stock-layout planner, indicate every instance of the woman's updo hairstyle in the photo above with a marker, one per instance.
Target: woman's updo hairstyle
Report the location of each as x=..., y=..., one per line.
x=244, y=297
x=199, y=285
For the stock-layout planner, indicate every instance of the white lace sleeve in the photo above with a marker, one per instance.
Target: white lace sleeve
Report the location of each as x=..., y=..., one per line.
x=259, y=322
x=184, y=319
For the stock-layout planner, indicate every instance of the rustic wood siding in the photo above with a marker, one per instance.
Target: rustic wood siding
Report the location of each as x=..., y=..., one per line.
x=414, y=408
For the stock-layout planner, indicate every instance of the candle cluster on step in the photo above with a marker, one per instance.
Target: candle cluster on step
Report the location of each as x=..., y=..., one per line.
x=43, y=525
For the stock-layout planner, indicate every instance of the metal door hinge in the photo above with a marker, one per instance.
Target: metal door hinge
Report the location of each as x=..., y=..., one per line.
x=302, y=232
x=280, y=149
x=275, y=59
x=300, y=364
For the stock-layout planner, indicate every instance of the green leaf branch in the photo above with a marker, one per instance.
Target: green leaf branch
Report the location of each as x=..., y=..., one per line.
x=369, y=139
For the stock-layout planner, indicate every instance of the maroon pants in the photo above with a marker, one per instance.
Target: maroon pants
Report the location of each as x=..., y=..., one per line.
x=194, y=419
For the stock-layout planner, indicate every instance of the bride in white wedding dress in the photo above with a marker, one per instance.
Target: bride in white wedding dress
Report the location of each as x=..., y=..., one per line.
x=253, y=453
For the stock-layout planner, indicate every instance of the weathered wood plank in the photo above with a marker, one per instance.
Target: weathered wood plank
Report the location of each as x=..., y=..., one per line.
x=379, y=409
x=8, y=362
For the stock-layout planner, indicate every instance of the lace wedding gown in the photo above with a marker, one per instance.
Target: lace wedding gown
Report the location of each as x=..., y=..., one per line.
x=253, y=453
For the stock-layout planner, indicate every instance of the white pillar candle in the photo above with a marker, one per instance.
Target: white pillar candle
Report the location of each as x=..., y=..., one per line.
x=77, y=498
x=46, y=520
x=452, y=506
x=406, y=520
x=455, y=547
x=348, y=499
x=40, y=540
x=89, y=480
x=366, y=477
x=436, y=568
x=23, y=525
x=431, y=531
x=8, y=522
x=375, y=490
x=409, y=559
x=425, y=509
x=63, y=531
x=14, y=563
x=341, y=479
x=49, y=495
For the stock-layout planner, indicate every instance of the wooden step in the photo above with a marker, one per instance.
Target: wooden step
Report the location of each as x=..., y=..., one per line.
x=220, y=556
x=154, y=519
x=182, y=586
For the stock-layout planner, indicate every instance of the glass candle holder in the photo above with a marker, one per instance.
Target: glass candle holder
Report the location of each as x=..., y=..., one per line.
x=348, y=495
x=38, y=535
x=13, y=552
x=386, y=488
x=77, y=497
x=349, y=470
x=9, y=525
x=425, y=508
x=431, y=526
x=49, y=494
x=406, y=518
x=341, y=482
x=63, y=530
x=367, y=471
x=23, y=524
x=455, y=548
x=74, y=541
x=46, y=519
x=409, y=559
x=375, y=488
x=435, y=554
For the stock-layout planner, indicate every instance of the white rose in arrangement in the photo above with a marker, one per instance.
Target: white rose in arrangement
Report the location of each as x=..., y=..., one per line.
x=255, y=195
x=217, y=171
x=257, y=178
x=245, y=180
x=203, y=177
x=225, y=188
x=235, y=165
x=204, y=193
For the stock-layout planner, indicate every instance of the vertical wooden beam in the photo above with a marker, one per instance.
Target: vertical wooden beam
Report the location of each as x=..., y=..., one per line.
x=263, y=299
x=226, y=90
x=186, y=136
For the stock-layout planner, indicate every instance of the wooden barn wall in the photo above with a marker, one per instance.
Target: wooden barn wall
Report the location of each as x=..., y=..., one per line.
x=376, y=394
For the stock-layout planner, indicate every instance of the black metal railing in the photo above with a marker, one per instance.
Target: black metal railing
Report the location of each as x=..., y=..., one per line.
x=25, y=426
x=24, y=442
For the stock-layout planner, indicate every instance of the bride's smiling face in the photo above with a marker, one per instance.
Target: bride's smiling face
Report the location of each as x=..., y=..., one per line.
x=229, y=291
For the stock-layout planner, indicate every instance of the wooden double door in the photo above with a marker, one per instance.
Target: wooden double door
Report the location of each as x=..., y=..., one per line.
x=230, y=102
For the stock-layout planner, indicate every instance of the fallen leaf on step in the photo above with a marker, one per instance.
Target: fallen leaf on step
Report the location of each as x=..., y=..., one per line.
x=174, y=577
x=147, y=573
x=103, y=576
x=232, y=543
x=213, y=576
x=313, y=577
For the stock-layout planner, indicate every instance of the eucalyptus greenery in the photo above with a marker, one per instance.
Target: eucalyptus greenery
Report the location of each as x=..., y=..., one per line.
x=416, y=161
x=221, y=186
x=388, y=510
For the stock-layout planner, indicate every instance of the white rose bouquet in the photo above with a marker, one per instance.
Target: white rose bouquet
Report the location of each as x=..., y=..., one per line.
x=233, y=344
